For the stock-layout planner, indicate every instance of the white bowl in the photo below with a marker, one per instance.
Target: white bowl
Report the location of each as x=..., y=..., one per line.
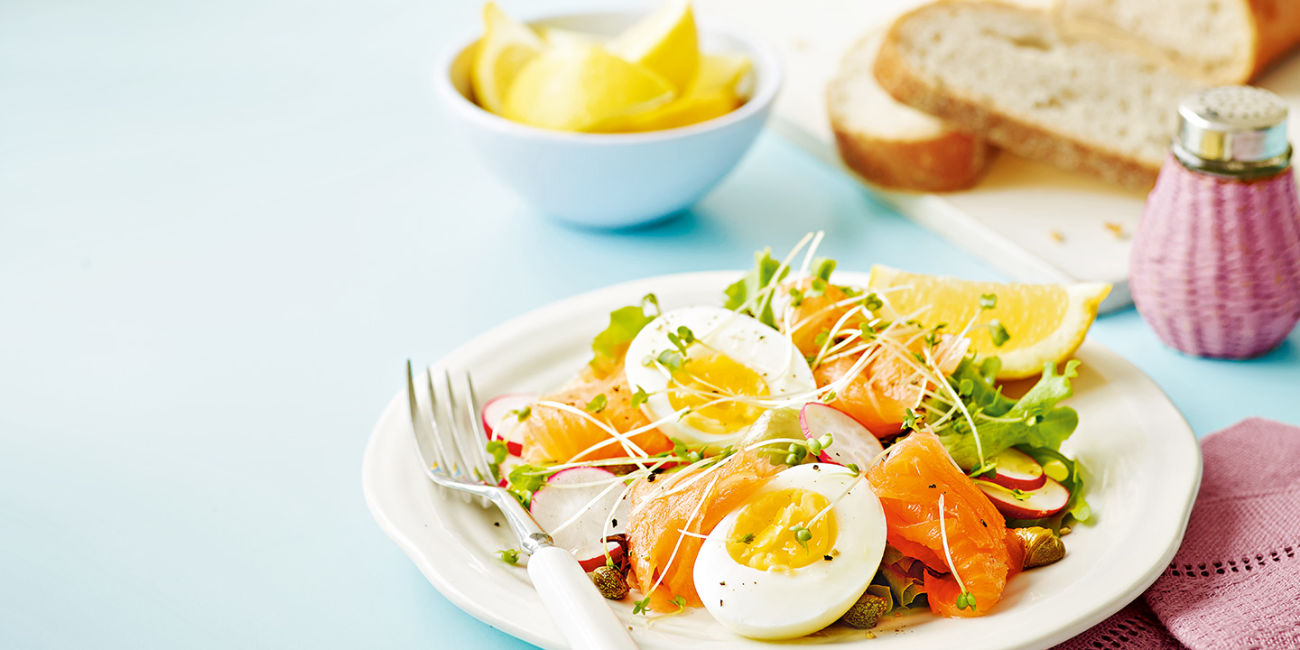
x=618, y=179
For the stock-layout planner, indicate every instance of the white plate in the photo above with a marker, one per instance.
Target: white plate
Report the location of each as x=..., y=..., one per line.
x=1144, y=459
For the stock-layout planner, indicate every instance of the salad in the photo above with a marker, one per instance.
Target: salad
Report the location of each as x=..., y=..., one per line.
x=800, y=454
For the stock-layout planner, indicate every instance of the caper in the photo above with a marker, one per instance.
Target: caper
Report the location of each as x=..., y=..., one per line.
x=865, y=613
x=610, y=581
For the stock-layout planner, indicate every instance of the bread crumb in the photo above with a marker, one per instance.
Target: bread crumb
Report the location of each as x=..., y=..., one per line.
x=1057, y=236
x=1116, y=229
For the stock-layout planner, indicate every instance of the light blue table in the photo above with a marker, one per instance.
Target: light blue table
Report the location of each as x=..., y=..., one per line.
x=223, y=227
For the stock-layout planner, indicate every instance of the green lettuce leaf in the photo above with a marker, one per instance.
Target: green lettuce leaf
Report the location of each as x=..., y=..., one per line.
x=624, y=324
x=744, y=292
x=904, y=576
x=1034, y=420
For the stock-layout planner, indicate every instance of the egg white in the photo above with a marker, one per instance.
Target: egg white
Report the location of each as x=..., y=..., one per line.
x=749, y=342
x=783, y=604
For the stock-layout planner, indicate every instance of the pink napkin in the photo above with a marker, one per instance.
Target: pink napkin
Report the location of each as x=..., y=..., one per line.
x=1235, y=582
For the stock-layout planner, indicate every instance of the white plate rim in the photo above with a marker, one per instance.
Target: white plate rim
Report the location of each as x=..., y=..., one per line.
x=1158, y=409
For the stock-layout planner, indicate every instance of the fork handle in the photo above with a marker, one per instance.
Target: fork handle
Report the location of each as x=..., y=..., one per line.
x=576, y=607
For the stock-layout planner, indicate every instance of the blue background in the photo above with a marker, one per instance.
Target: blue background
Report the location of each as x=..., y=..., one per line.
x=224, y=226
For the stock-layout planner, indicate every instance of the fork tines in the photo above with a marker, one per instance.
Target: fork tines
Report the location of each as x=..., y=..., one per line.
x=449, y=435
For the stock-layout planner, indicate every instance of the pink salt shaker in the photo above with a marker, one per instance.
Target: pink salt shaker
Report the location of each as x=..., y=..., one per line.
x=1215, y=266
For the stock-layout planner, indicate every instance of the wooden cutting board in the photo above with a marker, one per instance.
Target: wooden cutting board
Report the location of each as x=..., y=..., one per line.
x=1028, y=220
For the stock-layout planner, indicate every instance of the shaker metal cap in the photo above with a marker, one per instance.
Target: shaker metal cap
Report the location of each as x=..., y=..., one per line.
x=1232, y=129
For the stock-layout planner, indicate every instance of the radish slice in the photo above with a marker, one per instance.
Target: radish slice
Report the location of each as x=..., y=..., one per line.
x=592, y=557
x=575, y=506
x=500, y=420
x=851, y=442
x=1033, y=504
x=1018, y=471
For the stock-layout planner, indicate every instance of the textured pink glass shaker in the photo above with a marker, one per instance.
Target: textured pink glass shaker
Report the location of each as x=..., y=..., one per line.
x=1215, y=267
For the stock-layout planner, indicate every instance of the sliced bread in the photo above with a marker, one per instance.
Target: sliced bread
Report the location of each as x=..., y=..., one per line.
x=1005, y=73
x=1219, y=41
x=891, y=144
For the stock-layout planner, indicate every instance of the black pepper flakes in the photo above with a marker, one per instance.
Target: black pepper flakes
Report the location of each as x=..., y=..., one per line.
x=827, y=558
x=932, y=486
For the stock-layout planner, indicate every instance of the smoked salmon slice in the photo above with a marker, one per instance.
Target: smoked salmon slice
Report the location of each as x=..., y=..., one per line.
x=880, y=395
x=909, y=482
x=693, y=501
x=553, y=435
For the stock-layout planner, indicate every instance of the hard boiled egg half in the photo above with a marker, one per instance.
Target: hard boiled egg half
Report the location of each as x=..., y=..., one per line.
x=735, y=369
x=760, y=579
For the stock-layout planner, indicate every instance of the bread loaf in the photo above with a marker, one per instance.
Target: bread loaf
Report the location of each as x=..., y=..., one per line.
x=891, y=144
x=1005, y=73
x=1218, y=41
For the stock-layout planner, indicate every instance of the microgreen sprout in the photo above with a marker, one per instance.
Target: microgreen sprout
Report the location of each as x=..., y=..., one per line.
x=988, y=301
x=868, y=332
x=498, y=450
x=821, y=338
x=823, y=267
x=682, y=338
x=680, y=602
x=639, y=397
x=872, y=302
x=522, y=414
x=966, y=598
x=509, y=556
x=597, y=403
x=747, y=538
x=671, y=359
x=999, y=333
x=829, y=397
x=796, y=297
x=801, y=535
x=817, y=287
x=853, y=467
x=816, y=445
x=641, y=606
x=909, y=419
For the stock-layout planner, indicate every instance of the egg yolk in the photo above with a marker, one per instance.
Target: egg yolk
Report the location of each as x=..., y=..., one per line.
x=762, y=538
x=708, y=375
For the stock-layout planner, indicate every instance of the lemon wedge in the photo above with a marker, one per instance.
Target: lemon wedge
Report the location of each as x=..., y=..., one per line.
x=1046, y=322
x=577, y=86
x=562, y=37
x=714, y=93
x=506, y=47
x=665, y=42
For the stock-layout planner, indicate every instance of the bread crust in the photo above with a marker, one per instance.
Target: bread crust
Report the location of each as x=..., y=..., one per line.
x=937, y=159
x=948, y=163
x=1274, y=32
x=1006, y=131
x=1277, y=31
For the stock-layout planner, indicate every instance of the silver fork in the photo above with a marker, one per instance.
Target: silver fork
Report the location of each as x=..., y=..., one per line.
x=455, y=458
